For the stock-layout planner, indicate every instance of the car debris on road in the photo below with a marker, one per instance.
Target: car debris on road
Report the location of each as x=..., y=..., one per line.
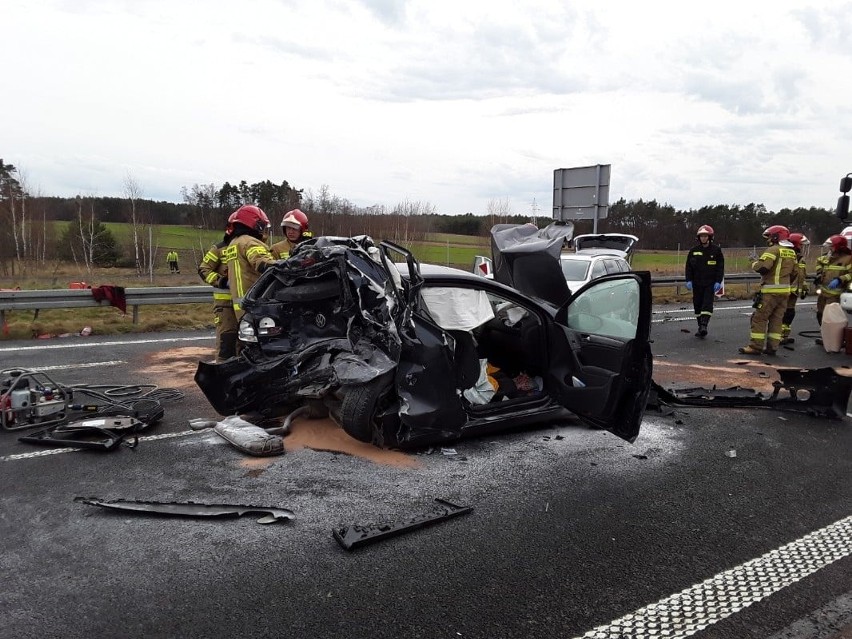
x=191, y=509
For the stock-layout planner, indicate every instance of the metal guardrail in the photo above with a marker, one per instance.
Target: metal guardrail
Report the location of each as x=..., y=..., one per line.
x=136, y=297
x=82, y=298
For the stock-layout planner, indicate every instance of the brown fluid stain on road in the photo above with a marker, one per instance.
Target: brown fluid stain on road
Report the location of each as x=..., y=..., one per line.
x=728, y=375
x=324, y=434
x=175, y=368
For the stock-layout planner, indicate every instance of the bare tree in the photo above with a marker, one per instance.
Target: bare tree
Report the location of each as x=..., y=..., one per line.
x=133, y=191
x=499, y=209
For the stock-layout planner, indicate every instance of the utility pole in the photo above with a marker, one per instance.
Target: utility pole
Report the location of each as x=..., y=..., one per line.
x=534, y=210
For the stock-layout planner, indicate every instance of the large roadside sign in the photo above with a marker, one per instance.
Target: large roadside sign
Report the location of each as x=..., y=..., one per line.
x=581, y=193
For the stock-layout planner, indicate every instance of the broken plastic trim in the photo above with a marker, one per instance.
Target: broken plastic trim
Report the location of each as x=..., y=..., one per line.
x=357, y=535
x=192, y=509
x=104, y=434
x=819, y=392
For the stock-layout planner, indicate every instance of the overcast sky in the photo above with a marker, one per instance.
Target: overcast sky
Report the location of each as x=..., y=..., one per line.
x=454, y=103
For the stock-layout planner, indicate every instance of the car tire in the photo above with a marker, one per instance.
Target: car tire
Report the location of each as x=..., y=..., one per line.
x=358, y=408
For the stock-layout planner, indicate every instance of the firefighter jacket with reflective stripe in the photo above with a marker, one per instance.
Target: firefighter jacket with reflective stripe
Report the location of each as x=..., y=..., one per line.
x=281, y=250
x=799, y=278
x=214, y=271
x=245, y=256
x=705, y=265
x=776, y=266
x=831, y=266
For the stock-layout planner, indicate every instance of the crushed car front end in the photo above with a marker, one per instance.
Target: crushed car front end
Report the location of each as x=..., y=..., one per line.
x=325, y=318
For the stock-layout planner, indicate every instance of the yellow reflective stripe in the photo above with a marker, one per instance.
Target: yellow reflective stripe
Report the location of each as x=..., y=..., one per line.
x=238, y=272
x=211, y=277
x=767, y=256
x=237, y=306
x=711, y=262
x=773, y=289
x=774, y=335
x=833, y=292
x=257, y=250
x=229, y=254
x=757, y=336
x=210, y=256
x=221, y=296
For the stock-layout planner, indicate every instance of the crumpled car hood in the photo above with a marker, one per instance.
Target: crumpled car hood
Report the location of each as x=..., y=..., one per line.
x=527, y=259
x=337, y=309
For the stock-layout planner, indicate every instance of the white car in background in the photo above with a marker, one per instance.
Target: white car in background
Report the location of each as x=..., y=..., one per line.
x=596, y=255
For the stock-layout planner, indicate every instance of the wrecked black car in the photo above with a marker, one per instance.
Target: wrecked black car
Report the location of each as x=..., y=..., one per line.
x=405, y=355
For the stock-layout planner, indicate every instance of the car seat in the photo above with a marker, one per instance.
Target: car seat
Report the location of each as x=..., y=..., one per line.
x=466, y=359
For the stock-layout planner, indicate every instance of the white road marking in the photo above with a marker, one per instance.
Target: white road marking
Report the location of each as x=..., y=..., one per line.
x=44, y=347
x=689, y=314
x=113, y=362
x=59, y=451
x=693, y=609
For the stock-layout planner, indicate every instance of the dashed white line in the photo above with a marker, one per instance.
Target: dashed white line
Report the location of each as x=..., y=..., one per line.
x=693, y=609
x=43, y=347
x=112, y=362
x=59, y=451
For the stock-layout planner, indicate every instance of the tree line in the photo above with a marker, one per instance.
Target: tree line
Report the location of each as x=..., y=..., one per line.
x=25, y=217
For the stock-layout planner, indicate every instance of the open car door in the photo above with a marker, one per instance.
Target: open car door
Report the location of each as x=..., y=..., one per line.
x=604, y=375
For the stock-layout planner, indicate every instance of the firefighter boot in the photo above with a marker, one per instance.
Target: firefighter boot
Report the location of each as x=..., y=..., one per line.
x=751, y=350
x=703, y=321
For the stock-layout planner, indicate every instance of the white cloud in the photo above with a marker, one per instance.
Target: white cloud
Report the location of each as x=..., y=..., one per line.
x=454, y=103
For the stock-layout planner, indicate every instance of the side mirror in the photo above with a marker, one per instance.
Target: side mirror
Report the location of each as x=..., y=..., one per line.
x=846, y=184
x=843, y=205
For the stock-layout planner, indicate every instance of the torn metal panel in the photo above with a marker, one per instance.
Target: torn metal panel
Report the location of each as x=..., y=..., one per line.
x=102, y=434
x=192, y=509
x=356, y=535
x=820, y=392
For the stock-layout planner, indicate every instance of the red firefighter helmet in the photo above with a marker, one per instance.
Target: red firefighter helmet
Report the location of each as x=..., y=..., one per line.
x=776, y=233
x=229, y=227
x=798, y=240
x=295, y=219
x=251, y=216
x=705, y=229
x=837, y=243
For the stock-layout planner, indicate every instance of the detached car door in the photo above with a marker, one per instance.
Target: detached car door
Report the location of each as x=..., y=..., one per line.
x=602, y=370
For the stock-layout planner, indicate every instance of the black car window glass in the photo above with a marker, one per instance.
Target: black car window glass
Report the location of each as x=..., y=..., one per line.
x=607, y=308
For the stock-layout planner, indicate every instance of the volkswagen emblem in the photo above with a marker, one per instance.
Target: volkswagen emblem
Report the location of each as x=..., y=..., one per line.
x=319, y=320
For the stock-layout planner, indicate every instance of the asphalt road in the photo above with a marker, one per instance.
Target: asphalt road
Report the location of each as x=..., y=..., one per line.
x=573, y=531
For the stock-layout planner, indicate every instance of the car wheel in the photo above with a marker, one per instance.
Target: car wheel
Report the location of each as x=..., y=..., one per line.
x=359, y=407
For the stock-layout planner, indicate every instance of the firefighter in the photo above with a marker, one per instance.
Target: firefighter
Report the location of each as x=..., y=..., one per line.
x=799, y=283
x=705, y=270
x=776, y=266
x=832, y=273
x=294, y=226
x=214, y=271
x=247, y=254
